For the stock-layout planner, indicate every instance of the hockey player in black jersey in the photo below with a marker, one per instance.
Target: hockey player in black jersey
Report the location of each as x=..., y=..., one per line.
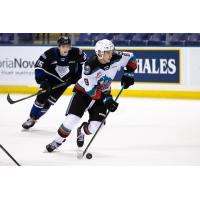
x=92, y=92
x=62, y=64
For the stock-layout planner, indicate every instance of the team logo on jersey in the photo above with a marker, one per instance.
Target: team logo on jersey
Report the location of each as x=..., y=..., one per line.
x=105, y=83
x=62, y=70
x=87, y=69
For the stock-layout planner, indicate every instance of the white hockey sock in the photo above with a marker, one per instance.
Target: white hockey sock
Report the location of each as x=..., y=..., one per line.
x=69, y=123
x=92, y=128
x=59, y=139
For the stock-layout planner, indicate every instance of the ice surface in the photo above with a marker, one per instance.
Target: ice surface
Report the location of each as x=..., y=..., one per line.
x=140, y=132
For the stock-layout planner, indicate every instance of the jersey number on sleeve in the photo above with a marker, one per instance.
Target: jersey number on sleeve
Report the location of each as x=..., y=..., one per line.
x=39, y=63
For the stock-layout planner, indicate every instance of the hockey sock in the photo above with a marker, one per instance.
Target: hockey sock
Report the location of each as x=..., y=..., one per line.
x=91, y=127
x=63, y=131
x=66, y=127
x=37, y=111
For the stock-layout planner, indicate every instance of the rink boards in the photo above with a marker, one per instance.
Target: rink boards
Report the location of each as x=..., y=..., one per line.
x=162, y=72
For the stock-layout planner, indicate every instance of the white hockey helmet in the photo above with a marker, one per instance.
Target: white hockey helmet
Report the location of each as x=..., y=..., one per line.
x=102, y=46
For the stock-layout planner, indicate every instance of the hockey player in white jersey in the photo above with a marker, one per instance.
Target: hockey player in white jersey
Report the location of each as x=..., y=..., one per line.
x=92, y=92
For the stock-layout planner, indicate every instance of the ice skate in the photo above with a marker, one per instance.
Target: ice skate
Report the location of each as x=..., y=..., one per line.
x=80, y=136
x=53, y=146
x=29, y=123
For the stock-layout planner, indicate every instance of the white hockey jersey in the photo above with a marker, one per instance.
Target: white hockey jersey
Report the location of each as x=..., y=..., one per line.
x=96, y=77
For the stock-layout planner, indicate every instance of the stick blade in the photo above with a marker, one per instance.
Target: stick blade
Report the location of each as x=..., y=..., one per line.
x=79, y=155
x=9, y=99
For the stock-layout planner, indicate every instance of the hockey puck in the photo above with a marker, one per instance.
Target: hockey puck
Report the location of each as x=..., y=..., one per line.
x=88, y=155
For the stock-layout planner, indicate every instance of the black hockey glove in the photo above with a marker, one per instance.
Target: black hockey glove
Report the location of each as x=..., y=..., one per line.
x=110, y=104
x=127, y=79
x=45, y=85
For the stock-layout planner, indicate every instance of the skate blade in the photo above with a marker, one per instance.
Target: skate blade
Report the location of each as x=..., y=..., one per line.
x=79, y=155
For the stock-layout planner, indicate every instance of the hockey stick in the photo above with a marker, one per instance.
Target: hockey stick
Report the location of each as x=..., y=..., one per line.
x=9, y=155
x=39, y=92
x=84, y=152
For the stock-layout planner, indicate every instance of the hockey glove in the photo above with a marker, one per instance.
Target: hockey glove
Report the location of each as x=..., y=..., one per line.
x=110, y=104
x=127, y=79
x=45, y=85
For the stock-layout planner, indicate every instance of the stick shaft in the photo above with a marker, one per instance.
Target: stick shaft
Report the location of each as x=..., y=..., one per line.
x=84, y=152
x=38, y=93
x=9, y=155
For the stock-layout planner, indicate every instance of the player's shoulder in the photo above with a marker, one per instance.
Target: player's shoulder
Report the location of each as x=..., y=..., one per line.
x=123, y=53
x=126, y=55
x=50, y=52
x=75, y=51
x=91, y=65
x=77, y=54
x=93, y=62
x=116, y=55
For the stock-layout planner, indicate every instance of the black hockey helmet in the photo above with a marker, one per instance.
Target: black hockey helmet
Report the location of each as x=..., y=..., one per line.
x=63, y=40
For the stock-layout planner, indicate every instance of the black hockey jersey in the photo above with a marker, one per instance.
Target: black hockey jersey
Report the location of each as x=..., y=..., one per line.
x=56, y=68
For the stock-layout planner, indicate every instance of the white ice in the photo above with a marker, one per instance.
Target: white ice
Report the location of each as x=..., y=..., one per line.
x=140, y=132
